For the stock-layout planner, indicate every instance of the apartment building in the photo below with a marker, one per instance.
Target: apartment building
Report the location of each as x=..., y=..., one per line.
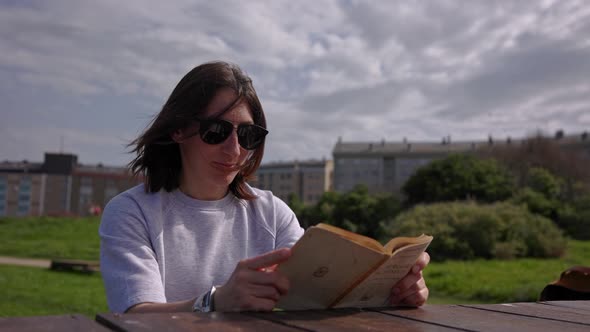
x=58, y=186
x=307, y=179
x=382, y=166
x=386, y=166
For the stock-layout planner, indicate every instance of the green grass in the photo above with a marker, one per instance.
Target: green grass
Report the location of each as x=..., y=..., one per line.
x=496, y=281
x=47, y=237
x=29, y=291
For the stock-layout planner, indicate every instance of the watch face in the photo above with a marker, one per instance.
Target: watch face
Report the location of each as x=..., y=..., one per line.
x=204, y=302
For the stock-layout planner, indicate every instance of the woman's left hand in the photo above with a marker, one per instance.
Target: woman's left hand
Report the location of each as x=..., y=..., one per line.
x=411, y=290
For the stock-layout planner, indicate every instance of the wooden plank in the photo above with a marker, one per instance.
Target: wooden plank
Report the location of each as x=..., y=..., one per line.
x=346, y=320
x=51, y=323
x=25, y=262
x=187, y=321
x=538, y=310
x=580, y=305
x=75, y=265
x=473, y=319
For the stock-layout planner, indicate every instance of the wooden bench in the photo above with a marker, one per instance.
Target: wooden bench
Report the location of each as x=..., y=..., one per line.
x=75, y=265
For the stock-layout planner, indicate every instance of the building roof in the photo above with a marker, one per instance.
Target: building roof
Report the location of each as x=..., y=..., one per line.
x=72, y=167
x=407, y=147
x=20, y=167
x=295, y=163
x=399, y=148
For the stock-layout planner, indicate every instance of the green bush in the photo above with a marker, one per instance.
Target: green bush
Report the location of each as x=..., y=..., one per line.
x=574, y=218
x=459, y=177
x=356, y=210
x=537, y=203
x=542, y=181
x=467, y=230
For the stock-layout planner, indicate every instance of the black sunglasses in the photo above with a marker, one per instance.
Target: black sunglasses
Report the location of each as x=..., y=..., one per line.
x=215, y=131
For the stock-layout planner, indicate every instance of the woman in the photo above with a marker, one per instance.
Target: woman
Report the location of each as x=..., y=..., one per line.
x=195, y=236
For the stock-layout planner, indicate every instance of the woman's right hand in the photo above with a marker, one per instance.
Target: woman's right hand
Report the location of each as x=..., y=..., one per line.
x=255, y=285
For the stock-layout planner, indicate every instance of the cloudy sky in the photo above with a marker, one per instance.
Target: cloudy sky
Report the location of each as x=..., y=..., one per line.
x=86, y=77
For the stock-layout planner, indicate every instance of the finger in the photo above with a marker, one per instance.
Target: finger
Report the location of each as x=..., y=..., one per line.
x=261, y=304
x=264, y=292
x=258, y=304
x=269, y=268
x=275, y=279
x=416, y=299
x=269, y=259
x=406, y=282
x=421, y=262
x=415, y=288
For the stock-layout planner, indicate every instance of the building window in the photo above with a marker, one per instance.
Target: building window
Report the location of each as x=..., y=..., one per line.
x=24, y=196
x=109, y=193
x=3, y=196
x=85, y=199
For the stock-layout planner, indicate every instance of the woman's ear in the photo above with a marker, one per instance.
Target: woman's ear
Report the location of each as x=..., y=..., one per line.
x=178, y=136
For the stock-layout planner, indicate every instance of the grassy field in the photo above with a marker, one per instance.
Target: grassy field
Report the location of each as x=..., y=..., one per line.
x=48, y=237
x=28, y=291
x=496, y=281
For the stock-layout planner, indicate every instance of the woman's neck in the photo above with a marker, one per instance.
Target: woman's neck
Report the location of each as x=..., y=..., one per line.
x=201, y=191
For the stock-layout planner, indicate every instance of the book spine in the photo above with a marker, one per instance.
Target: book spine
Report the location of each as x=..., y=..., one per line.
x=358, y=281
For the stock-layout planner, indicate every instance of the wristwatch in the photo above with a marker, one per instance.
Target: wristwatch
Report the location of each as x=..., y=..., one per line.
x=204, y=303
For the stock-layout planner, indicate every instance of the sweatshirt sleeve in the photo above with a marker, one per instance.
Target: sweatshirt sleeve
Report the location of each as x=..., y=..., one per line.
x=288, y=228
x=128, y=262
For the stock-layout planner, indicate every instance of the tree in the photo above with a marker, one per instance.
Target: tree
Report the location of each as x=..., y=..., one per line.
x=322, y=211
x=569, y=163
x=574, y=218
x=356, y=210
x=360, y=212
x=459, y=177
x=542, y=181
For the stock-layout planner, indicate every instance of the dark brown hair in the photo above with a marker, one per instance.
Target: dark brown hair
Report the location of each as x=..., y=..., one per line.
x=158, y=156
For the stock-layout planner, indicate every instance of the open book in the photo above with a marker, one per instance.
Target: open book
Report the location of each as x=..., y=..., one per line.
x=333, y=268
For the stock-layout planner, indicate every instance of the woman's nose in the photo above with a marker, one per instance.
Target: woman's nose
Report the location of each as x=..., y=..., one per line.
x=231, y=144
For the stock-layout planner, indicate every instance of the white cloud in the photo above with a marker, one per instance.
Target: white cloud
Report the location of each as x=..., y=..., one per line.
x=363, y=70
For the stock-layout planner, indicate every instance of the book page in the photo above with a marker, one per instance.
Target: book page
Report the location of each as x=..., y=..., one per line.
x=322, y=266
x=375, y=290
x=360, y=239
x=400, y=242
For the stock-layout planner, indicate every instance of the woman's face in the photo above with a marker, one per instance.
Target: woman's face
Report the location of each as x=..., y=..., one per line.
x=208, y=169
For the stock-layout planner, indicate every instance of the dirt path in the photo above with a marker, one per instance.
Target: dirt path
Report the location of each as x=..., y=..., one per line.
x=45, y=263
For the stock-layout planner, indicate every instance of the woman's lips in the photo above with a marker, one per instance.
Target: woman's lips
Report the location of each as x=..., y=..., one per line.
x=227, y=167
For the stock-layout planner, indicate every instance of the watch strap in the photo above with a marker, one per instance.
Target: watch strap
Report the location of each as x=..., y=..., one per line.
x=204, y=303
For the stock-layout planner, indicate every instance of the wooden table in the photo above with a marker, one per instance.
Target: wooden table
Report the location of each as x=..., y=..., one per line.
x=544, y=316
x=51, y=323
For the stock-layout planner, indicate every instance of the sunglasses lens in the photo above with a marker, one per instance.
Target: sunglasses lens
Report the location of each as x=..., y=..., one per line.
x=215, y=131
x=251, y=136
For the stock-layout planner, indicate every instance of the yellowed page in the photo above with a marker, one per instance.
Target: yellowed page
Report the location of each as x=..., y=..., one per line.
x=322, y=266
x=360, y=239
x=375, y=290
x=401, y=241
